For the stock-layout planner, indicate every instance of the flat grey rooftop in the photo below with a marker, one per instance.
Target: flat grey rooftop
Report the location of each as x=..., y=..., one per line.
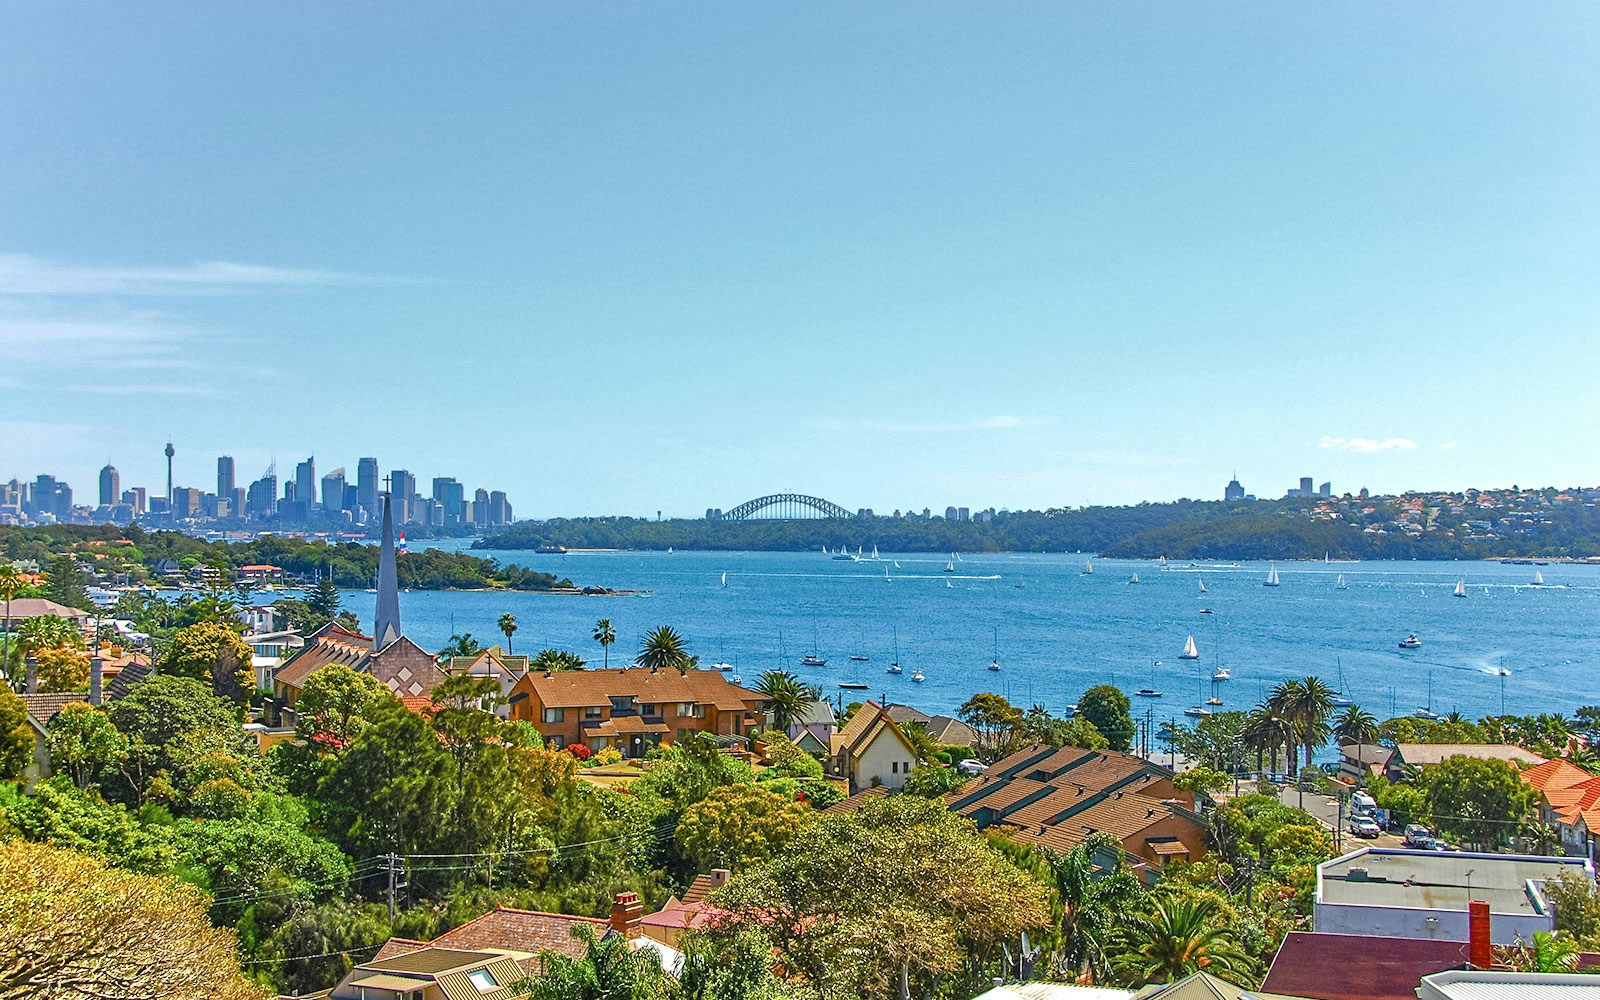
x=1433, y=880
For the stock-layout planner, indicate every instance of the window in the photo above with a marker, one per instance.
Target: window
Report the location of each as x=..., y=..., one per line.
x=594, y=712
x=555, y=715
x=483, y=979
x=894, y=767
x=557, y=742
x=690, y=710
x=649, y=709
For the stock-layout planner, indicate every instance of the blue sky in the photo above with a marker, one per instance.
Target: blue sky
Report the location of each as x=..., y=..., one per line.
x=622, y=258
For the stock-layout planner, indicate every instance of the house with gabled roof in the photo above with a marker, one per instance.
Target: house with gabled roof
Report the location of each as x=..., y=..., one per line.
x=503, y=667
x=872, y=751
x=633, y=708
x=1057, y=797
x=434, y=974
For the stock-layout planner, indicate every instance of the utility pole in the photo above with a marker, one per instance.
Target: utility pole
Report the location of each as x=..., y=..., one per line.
x=392, y=861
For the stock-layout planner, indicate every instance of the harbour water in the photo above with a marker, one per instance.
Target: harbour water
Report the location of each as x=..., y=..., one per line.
x=1059, y=630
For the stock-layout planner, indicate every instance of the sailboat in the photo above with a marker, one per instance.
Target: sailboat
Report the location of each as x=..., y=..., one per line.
x=812, y=659
x=994, y=664
x=1088, y=567
x=894, y=665
x=1338, y=699
x=1427, y=713
x=724, y=578
x=950, y=585
x=1538, y=578
x=957, y=557
x=874, y=553
x=1340, y=585
x=1203, y=586
x=917, y=677
x=1190, y=651
x=1134, y=578
x=950, y=567
x=1461, y=588
x=886, y=574
x=1272, y=577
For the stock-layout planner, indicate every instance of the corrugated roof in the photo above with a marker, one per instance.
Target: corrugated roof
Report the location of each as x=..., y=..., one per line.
x=1358, y=967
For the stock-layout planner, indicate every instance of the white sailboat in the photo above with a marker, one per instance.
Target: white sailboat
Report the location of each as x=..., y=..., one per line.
x=874, y=553
x=724, y=578
x=1190, y=650
x=1203, y=586
x=994, y=664
x=1340, y=585
x=957, y=557
x=917, y=676
x=1272, y=577
x=1134, y=578
x=1538, y=578
x=950, y=567
x=1088, y=567
x=894, y=665
x=1461, y=588
x=952, y=586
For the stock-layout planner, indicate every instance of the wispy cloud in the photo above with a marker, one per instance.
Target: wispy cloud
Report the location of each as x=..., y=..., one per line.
x=22, y=274
x=1000, y=422
x=129, y=340
x=1366, y=444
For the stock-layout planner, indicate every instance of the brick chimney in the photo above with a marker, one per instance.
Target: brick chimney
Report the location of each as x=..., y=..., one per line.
x=97, y=679
x=626, y=913
x=719, y=877
x=1480, y=947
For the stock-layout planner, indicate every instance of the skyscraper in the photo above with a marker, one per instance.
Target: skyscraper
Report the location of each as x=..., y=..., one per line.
x=1233, y=491
x=333, y=490
x=452, y=495
x=367, y=485
x=225, y=476
x=110, y=486
x=262, y=498
x=402, y=487
x=305, y=482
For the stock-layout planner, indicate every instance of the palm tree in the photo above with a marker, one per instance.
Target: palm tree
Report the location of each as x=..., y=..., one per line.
x=785, y=696
x=11, y=584
x=1092, y=904
x=605, y=635
x=1313, y=709
x=462, y=645
x=1176, y=939
x=554, y=661
x=508, y=625
x=663, y=649
x=1356, y=726
x=1284, y=703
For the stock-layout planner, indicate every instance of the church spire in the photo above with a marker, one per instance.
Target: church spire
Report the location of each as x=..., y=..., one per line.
x=386, y=626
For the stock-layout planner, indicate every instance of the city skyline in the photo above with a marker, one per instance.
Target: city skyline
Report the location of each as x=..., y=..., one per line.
x=1063, y=257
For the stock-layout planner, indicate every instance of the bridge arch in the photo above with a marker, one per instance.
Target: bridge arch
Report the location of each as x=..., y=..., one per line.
x=785, y=507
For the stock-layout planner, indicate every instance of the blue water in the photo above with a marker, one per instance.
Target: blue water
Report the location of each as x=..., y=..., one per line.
x=1060, y=631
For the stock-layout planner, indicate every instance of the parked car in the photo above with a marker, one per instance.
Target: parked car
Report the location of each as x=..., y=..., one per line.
x=1364, y=826
x=1418, y=836
x=972, y=766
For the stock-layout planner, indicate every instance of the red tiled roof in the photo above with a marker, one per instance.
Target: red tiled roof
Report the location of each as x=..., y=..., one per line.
x=1357, y=967
x=1553, y=774
x=580, y=688
x=528, y=931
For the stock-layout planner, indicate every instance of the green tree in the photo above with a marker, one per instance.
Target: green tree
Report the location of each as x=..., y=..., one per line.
x=16, y=735
x=162, y=715
x=338, y=703
x=994, y=723
x=785, y=697
x=64, y=583
x=462, y=644
x=900, y=888
x=555, y=661
x=323, y=601
x=606, y=970
x=83, y=742
x=214, y=654
x=72, y=927
x=11, y=585
x=1479, y=802
x=1093, y=903
x=1107, y=709
x=508, y=625
x=389, y=789
x=1355, y=726
x=63, y=668
x=605, y=635
x=1284, y=703
x=663, y=648
x=736, y=826
x=1176, y=938
x=43, y=632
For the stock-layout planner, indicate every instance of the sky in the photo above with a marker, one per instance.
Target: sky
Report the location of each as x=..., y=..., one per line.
x=622, y=258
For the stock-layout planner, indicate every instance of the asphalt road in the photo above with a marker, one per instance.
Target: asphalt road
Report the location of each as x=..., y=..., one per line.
x=1326, y=809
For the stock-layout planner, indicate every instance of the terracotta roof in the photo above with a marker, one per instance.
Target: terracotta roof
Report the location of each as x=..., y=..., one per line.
x=619, y=725
x=705, y=885
x=1425, y=754
x=529, y=931
x=905, y=713
x=1554, y=774
x=1168, y=847
x=1357, y=967
x=44, y=707
x=398, y=946
x=33, y=607
x=579, y=688
x=418, y=703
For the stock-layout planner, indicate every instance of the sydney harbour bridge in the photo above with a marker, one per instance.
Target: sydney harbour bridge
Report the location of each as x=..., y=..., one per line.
x=781, y=507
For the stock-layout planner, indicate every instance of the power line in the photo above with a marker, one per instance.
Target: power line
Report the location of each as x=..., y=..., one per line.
x=325, y=954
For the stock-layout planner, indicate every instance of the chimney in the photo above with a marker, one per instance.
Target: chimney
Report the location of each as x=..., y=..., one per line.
x=1480, y=948
x=625, y=914
x=30, y=682
x=97, y=679
x=719, y=877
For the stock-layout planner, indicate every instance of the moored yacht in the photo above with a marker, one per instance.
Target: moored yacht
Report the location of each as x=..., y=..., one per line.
x=1410, y=642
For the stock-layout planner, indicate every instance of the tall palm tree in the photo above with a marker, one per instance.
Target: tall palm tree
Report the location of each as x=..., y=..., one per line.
x=1355, y=725
x=785, y=696
x=11, y=584
x=1284, y=703
x=605, y=635
x=508, y=625
x=663, y=649
x=1092, y=905
x=1314, y=708
x=1178, y=938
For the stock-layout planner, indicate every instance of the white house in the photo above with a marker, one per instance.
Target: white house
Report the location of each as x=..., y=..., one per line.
x=871, y=751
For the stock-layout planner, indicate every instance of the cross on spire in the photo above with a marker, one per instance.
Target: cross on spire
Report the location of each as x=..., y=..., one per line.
x=386, y=484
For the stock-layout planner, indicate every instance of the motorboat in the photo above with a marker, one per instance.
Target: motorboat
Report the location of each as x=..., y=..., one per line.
x=1197, y=711
x=1411, y=642
x=1190, y=650
x=858, y=658
x=917, y=676
x=895, y=668
x=854, y=686
x=1207, y=611
x=1221, y=674
x=1426, y=713
x=726, y=668
x=994, y=664
x=1147, y=693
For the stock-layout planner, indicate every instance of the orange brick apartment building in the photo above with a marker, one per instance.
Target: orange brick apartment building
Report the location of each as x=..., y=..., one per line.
x=633, y=708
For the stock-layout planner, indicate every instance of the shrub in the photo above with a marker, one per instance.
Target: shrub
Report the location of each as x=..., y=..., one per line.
x=579, y=750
